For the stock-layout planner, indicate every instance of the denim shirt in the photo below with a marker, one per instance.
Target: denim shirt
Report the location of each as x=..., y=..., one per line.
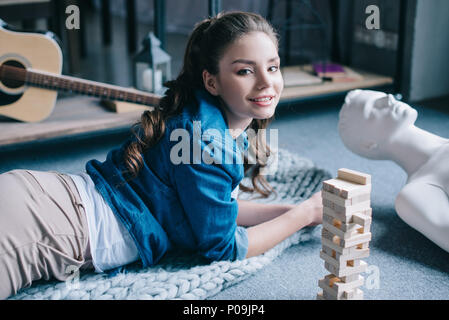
x=181, y=197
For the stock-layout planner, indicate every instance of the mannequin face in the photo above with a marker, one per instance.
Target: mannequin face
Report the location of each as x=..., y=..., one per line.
x=371, y=120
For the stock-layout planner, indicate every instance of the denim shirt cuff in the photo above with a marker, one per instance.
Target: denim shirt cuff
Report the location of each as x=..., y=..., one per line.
x=241, y=240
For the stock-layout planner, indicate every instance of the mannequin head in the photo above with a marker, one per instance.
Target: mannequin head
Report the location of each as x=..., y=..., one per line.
x=371, y=120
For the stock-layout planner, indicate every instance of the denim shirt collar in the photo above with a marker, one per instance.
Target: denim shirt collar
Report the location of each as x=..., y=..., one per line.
x=209, y=106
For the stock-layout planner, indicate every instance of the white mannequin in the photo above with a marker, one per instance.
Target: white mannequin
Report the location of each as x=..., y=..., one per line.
x=375, y=125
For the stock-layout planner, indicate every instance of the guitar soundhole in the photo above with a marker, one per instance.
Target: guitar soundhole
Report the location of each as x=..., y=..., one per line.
x=12, y=83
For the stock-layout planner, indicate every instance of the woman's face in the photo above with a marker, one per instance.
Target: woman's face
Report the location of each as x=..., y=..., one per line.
x=249, y=79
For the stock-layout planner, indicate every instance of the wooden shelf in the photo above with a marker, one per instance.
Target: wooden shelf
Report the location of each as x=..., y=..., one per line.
x=369, y=80
x=84, y=115
x=71, y=116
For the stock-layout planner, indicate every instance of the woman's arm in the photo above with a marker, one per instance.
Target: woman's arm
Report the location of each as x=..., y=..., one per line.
x=253, y=213
x=266, y=235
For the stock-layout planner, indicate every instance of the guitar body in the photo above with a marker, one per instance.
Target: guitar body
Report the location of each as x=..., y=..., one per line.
x=30, y=78
x=29, y=51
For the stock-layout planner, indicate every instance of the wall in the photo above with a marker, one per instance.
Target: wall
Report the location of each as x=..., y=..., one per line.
x=430, y=52
x=375, y=50
x=424, y=66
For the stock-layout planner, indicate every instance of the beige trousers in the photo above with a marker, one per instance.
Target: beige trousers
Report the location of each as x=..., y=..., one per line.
x=43, y=229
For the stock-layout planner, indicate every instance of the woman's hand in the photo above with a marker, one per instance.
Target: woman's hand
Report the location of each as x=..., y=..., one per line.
x=314, y=205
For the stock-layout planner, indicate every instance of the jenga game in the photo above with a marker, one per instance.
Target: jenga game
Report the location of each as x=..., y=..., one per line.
x=346, y=234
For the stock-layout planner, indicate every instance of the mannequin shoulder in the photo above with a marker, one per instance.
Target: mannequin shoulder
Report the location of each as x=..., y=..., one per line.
x=421, y=194
x=435, y=171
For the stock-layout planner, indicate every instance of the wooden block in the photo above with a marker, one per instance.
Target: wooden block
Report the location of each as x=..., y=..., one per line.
x=328, y=293
x=345, y=189
x=356, y=294
x=330, y=245
x=346, y=218
x=340, y=233
x=340, y=216
x=328, y=259
x=122, y=106
x=350, y=227
x=325, y=285
x=353, y=263
x=345, y=202
x=349, y=286
x=335, y=288
x=368, y=213
x=350, y=278
x=329, y=296
x=355, y=255
x=346, y=271
x=362, y=245
x=355, y=240
x=345, y=260
x=348, y=294
x=361, y=206
x=332, y=279
x=326, y=235
x=361, y=219
x=341, y=225
x=354, y=176
x=329, y=251
x=333, y=242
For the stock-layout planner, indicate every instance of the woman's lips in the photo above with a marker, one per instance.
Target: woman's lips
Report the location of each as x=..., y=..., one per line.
x=262, y=101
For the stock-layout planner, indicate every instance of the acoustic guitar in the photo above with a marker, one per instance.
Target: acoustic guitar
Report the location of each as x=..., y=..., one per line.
x=30, y=77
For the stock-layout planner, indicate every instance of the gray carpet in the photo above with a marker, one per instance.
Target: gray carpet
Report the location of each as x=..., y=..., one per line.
x=410, y=266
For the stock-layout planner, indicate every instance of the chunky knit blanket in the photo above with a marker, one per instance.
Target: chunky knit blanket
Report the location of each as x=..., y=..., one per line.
x=178, y=276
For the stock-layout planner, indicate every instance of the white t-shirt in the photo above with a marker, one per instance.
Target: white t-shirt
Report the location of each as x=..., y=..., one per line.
x=111, y=245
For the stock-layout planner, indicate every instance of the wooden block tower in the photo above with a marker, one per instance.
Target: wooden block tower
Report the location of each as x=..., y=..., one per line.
x=346, y=234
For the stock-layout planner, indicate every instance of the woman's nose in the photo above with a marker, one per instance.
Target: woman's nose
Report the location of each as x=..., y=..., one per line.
x=264, y=80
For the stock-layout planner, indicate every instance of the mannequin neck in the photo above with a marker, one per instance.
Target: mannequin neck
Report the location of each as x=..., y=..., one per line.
x=413, y=147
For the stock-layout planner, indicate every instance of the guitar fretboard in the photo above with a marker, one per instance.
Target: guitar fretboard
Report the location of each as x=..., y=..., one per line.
x=76, y=85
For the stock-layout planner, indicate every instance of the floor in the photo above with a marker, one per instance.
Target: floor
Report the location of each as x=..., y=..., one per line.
x=403, y=264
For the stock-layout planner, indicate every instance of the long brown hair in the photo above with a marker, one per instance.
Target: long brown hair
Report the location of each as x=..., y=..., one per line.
x=205, y=47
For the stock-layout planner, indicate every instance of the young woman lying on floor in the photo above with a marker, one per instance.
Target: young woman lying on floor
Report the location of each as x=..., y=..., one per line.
x=145, y=198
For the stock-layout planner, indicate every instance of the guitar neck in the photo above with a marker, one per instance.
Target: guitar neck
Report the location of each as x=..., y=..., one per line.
x=80, y=86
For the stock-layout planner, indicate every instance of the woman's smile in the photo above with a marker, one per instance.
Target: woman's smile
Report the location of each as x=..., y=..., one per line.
x=263, y=101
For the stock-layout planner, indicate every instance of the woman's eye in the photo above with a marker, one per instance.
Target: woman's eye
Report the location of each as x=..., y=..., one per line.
x=273, y=68
x=243, y=72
